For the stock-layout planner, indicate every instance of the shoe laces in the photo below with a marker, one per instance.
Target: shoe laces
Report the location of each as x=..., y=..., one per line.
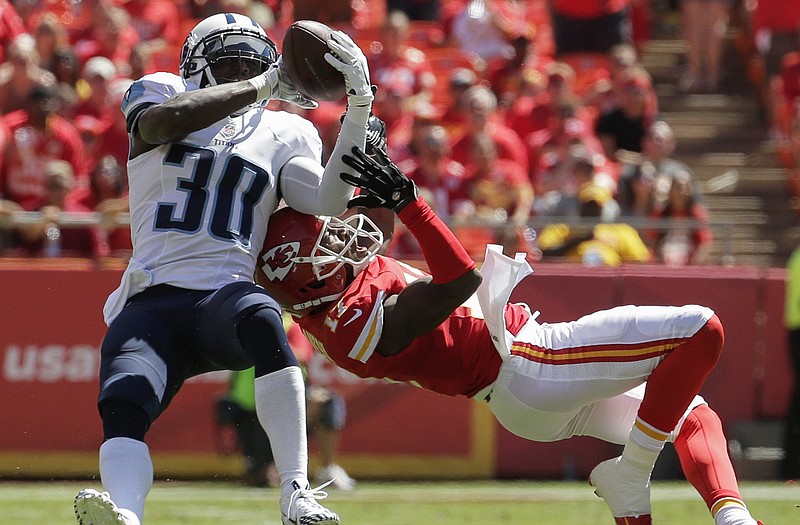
x=310, y=495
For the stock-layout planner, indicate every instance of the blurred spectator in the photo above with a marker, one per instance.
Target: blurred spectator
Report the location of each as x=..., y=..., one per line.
x=480, y=116
x=776, y=26
x=501, y=193
x=66, y=67
x=50, y=35
x=20, y=73
x=395, y=63
x=94, y=91
x=416, y=9
x=688, y=238
x=433, y=170
x=407, y=141
x=107, y=136
x=110, y=36
x=605, y=94
x=390, y=107
x=142, y=61
x=504, y=75
x=97, y=116
x=107, y=194
x=35, y=136
x=644, y=183
x=156, y=22
x=565, y=169
x=260, y=11
x=554, y=149
x=51, y=238
x=486, y=28
x=459, y=81
x=623, y=127
x=332, y=12
x=603, y=244
x=11, y=26
x=441, y=181
x=57, y=56
x=790, y=465
x=593, y=26
x=705, y=23
x=537, y=110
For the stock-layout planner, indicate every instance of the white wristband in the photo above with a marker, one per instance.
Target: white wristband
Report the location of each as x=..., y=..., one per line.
x=263, y=86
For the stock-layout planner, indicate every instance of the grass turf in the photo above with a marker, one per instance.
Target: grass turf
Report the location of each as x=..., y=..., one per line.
x=434, y=503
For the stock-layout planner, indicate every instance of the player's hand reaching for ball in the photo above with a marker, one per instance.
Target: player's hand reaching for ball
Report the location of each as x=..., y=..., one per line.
x=347, y=57
x=275, y=84
x=382, y=183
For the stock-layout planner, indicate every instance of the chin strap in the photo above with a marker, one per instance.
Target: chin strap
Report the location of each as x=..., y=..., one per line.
x=316, y=302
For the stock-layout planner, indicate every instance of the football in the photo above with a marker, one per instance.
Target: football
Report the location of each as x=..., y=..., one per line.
x=303, y=49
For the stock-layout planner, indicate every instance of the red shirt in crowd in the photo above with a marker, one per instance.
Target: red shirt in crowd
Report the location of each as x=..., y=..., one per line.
x=26, y=150
x=509, y=145
x=156, y=19
x=585, y=9
x=11, y=26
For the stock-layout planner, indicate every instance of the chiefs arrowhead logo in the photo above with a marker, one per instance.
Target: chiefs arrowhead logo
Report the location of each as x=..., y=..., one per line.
x=279, y=260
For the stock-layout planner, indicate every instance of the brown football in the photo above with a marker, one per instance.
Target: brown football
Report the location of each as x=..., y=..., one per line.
x=304, y=46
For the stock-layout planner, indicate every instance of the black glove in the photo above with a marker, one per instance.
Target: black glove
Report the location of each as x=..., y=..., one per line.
x=385, y=185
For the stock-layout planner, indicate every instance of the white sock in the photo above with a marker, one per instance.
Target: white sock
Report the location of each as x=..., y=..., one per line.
x=126, y=473
x=281, y=410
x=733, y=512
x=642, y=450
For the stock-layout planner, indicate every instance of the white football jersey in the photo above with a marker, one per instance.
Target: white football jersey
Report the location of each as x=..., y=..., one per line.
x=199, y=207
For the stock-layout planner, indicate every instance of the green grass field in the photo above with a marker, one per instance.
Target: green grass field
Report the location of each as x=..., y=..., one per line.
x=435, y=503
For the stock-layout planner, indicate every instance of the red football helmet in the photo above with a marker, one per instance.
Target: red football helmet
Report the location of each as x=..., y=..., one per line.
x=308, y=260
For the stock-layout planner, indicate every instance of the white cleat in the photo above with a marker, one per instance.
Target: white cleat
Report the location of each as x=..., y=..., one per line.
x=96, y=508
x=628, y=499
x=301, y=507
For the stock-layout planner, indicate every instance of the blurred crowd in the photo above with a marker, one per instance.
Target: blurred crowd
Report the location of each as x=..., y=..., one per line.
x=502, y=111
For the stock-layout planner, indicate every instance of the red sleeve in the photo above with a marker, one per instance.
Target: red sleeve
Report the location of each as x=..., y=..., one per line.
x=74, y=151
x=446, y=257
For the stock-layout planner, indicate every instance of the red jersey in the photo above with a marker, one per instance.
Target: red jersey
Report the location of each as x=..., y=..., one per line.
x=456, y=358
x=509, y=145
x=27, y=150
x=450, y=192
x=11, y=26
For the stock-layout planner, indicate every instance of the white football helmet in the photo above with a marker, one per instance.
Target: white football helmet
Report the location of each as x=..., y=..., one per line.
x=224, y=35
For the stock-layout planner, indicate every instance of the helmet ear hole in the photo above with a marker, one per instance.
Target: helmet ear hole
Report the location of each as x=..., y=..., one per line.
x=316, y=285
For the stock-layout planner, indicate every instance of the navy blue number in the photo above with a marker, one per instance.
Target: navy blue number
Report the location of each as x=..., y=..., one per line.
x=227, y=193
x=226, y=197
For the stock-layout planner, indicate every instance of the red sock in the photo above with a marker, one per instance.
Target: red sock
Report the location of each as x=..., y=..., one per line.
x=678, y=378
x=703, y=452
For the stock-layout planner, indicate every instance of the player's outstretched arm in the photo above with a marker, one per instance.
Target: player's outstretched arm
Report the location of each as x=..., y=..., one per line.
x=426, y=303
x=348, y=59
x=189, y=111
x=197, y=109
x=309, y=188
